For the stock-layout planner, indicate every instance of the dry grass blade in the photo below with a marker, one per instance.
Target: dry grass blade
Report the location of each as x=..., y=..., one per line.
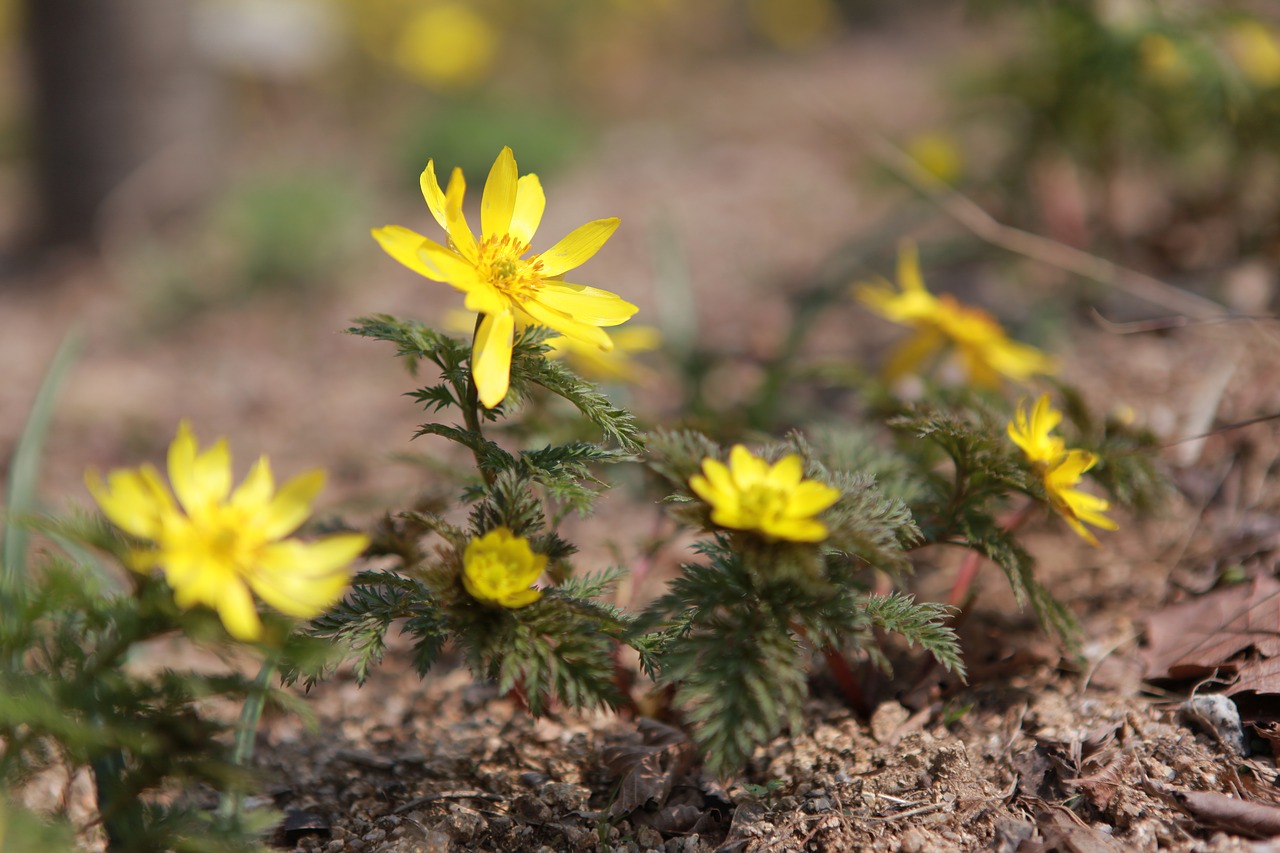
x=1059, y=255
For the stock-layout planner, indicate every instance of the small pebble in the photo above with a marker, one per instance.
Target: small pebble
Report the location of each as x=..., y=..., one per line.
x=534, y=780
x=1218, y=715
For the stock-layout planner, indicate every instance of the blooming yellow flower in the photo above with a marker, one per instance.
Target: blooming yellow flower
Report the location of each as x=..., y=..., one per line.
x=1076, y=507
x=500, y=568
x=1032, y=434
x=941, y=323
x=500, y=283
x=775, y=500
x=1061, y=469
x=216, y=546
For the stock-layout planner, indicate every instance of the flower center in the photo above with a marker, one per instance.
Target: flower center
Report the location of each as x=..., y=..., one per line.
x=760, y=502
x=501, y=266
x=226, y=538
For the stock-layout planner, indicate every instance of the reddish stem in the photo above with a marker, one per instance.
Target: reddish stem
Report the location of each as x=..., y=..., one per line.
x=847, y=681
x=961, y=590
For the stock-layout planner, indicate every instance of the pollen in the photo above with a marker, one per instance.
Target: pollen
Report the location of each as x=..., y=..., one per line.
x=500, y=264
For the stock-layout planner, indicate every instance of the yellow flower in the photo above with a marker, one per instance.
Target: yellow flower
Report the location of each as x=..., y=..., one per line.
x=775, y=500
x=943, y=324
x=500, y=568
x=1162, y=61
x=1032, y=434
x=1076, y=507
x=216, y=546
x=1256, y=50
x=1060, y=469
x=500, y=283
x=938, y=155
x=793, y=24
x=446, y=45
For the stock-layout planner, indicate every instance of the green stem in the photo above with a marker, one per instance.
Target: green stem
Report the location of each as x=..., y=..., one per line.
x=121, y=812
x=247, y=730
x=471, y=406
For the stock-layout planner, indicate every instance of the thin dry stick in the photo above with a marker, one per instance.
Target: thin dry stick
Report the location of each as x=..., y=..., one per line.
x=1042, y=249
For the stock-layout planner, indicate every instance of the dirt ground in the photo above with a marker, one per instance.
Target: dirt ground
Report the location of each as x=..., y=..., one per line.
x=1039, y=751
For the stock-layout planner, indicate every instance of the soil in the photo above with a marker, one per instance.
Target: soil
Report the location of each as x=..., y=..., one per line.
x=1039, y=751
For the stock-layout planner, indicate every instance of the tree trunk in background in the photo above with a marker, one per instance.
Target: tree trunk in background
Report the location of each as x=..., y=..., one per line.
x=117, y=88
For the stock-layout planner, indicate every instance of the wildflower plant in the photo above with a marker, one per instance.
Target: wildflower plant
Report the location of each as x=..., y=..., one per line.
x=67, y=698
x=793, y=546
x=796, y=538
x=805, y=545
x=500, y=585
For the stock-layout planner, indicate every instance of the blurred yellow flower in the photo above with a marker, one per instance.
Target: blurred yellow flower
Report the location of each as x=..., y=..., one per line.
x=500, y=568
x=216, y=546
x=775, y=500
x=944, y=325
x=615, y=365
x=446, y=45
x=1061, y=469
x=793, y=24
x=1161, y=60
x=1256, y=50
x=937, y=154
x=500, y=283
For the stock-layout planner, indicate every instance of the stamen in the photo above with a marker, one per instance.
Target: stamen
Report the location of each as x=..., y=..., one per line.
x=500, y=265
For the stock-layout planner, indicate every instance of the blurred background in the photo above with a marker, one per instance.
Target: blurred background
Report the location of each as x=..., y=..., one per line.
x=188, y=186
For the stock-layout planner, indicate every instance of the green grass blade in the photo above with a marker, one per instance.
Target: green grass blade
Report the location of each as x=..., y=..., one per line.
x=24, y=468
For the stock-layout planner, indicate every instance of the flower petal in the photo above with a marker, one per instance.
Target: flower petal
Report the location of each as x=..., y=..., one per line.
x=485, y=299
x=499, y=199
x=491, y=357
x=135, y=501
x=588, y=304
x=305, y=579
x=746, y=468
x=811, y=497
x=459, y=231
x=785, y=474
x=558, y=321
x=291, y=505
x=797, y=529
x=199, y=479
x=255, y=491
x=403, y=245
x=448, y=266
x=577, y=247
x=911, y=353
x=239, y=615
x=909, y=278
x=432, y=193
x=531, y=201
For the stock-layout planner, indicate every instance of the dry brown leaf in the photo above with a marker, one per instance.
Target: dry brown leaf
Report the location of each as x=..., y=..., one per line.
x=1257, y=676
x=1205, y=635
x=1230, y=814
x=647, y=770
